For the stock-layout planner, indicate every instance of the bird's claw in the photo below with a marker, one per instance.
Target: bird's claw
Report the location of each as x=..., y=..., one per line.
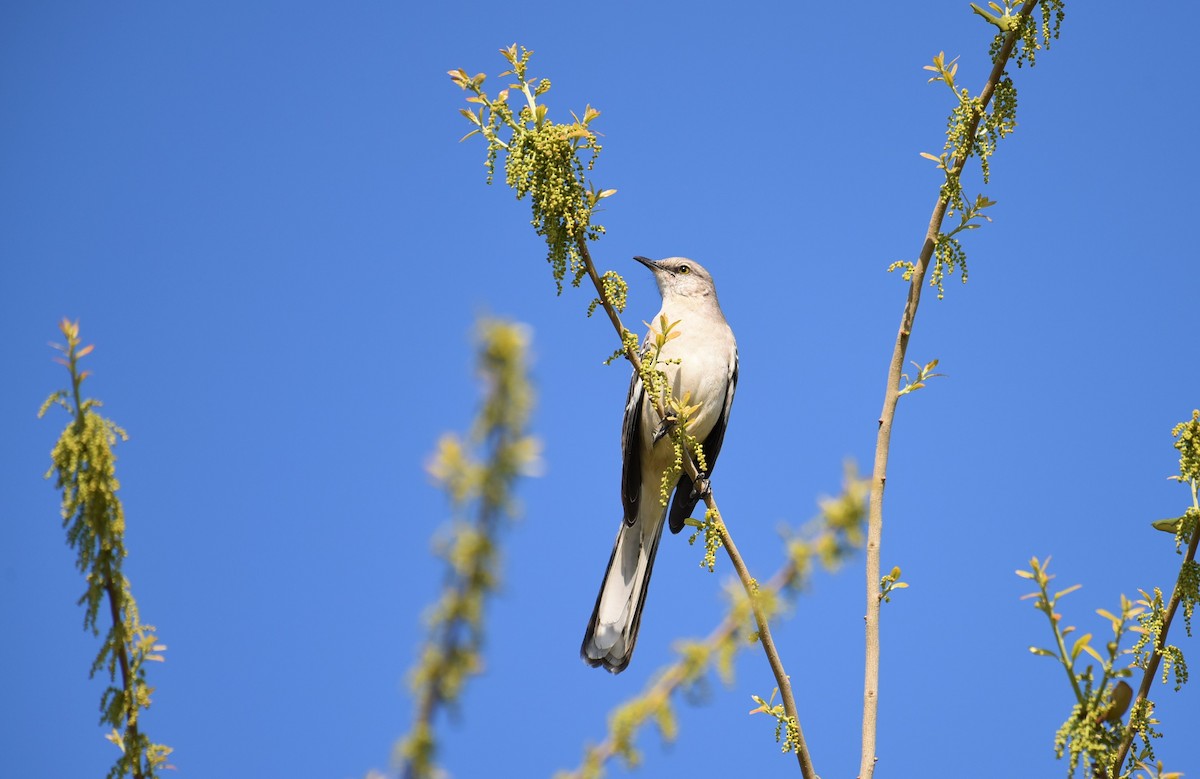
x=664, y=429
x=700, y=487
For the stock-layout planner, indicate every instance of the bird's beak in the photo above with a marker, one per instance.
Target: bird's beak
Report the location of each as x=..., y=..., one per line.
x=649, y=263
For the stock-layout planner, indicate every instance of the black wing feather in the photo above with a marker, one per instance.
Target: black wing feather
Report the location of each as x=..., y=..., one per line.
x=631, y=450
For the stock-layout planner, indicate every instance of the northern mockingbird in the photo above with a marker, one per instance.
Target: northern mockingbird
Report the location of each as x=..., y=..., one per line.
x=708, y=369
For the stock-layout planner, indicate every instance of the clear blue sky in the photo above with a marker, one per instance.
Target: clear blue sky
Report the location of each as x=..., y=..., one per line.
x=260, y=214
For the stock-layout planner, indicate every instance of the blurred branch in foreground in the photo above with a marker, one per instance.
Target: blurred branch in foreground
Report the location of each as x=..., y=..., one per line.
x=828, y=539
x=480, y=486
x=84, y=467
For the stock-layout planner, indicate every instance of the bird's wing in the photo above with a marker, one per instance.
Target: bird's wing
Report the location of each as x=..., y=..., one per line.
x=631, y=449
x=683, y=502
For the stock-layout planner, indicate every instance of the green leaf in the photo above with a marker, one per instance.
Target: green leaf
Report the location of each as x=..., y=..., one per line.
x=1167, y=525
x=1067, y=591
x=1080, y=644
x=1043, y=652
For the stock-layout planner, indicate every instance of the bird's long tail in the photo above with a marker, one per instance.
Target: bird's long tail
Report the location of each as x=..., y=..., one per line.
x=613, y=628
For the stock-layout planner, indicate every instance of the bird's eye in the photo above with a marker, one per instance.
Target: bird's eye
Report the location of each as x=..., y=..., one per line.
x=684, y=269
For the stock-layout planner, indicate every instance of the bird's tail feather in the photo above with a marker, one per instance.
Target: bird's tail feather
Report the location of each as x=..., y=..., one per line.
x=613, y=628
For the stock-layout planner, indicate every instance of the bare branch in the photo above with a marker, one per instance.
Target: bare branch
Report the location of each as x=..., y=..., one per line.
x=887, y=417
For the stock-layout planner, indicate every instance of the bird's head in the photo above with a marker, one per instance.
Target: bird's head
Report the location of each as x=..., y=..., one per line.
x=679, y=276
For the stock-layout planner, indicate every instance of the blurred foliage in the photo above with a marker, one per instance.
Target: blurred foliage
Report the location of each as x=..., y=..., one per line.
x=84, y=468
x=478, y=474
x=828, y=540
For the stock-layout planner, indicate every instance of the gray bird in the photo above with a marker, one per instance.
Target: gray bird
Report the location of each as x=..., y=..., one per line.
x=708, y=368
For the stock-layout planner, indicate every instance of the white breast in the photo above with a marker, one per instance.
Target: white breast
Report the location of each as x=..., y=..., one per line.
x=706, y=352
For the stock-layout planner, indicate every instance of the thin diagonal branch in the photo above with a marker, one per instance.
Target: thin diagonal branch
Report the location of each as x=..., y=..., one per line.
x=887, y=417
x=672, y=679
x=764, y=635
x=764, y=631
x=676, y=675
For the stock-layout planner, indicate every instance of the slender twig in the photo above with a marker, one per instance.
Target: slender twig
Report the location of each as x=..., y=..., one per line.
x=1152, y=669
x=764, y=635
x=1064, y=656
x=764, y=631
x=886, y=418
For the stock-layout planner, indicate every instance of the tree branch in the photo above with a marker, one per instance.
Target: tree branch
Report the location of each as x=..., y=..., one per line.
x=1151, y=671
x=84, y=465
x=764, y=631
x=887, y=416
x=128, y=694
x=479, y=474
x=112, y=589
